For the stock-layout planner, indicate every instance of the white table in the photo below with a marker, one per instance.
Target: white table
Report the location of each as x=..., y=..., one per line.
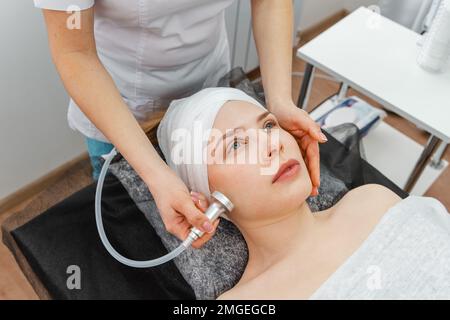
x=377, y=57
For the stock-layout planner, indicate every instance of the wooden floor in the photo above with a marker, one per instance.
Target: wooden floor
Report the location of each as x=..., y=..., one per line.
x=13, y=284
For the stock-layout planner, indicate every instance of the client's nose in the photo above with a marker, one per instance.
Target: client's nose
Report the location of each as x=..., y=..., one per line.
x=274, y=145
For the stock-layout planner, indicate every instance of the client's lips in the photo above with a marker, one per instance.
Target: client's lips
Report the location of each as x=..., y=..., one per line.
x=289, y=168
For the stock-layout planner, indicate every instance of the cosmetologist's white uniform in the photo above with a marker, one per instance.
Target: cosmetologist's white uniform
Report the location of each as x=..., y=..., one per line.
x=155, y=50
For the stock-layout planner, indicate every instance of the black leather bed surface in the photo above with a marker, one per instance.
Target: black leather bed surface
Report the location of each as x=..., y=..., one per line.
x=66, y=235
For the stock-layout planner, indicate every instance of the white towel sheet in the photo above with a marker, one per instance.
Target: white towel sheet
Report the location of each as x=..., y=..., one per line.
x=406, y=256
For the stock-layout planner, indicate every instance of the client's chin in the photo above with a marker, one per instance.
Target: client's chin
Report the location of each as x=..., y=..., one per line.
x=293, y=183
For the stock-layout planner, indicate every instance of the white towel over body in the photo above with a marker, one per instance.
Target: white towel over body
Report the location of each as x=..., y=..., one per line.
x=406, y=256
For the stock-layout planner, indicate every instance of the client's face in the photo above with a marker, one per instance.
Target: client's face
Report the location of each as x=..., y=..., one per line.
x=245, y=164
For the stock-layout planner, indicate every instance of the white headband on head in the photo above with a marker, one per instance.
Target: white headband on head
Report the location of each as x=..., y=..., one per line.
x=181, y=119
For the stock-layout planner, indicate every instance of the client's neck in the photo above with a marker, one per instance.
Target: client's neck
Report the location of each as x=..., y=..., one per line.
x=275, y=240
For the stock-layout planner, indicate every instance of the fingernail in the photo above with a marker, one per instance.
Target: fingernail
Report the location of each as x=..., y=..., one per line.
x=208, y=227
x=323, y=136
x=194, y=198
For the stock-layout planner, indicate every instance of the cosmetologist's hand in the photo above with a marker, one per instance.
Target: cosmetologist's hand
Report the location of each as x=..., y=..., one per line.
x=308, y=135
x=179, y=209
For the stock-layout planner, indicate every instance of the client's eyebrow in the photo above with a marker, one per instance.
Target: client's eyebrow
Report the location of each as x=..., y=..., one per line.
x=231, y=132
x=262, y=116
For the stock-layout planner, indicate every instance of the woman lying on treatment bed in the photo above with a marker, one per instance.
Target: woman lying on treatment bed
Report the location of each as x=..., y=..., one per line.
x=370, y=245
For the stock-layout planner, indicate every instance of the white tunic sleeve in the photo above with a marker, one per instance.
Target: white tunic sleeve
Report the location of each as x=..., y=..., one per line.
x=63, y=5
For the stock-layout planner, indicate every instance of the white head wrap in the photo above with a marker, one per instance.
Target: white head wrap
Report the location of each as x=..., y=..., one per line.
x=183, y=117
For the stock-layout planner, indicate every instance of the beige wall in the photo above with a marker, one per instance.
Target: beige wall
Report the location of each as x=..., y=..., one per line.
x=34, y=135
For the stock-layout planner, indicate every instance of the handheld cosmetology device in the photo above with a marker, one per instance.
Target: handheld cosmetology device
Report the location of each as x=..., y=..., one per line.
x=221, y=204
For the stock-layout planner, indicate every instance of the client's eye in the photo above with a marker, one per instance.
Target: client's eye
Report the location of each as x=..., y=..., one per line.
x=269, y=124
x=236, y=143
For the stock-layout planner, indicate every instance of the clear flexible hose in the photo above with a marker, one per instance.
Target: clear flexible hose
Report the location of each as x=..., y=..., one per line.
x=101, y=231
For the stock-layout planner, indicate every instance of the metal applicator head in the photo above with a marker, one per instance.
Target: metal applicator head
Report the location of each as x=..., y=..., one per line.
x=221, y=204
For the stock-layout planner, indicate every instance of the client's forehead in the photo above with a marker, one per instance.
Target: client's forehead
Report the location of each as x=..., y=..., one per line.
x=234, y=114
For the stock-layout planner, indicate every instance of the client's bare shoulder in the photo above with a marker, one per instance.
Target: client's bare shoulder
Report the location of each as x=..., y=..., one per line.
x=367, y=203
x=232, y=294
x=373, y=194
x=224, y=296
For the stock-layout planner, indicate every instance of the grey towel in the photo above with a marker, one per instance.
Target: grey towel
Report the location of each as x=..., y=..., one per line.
x=406, y=256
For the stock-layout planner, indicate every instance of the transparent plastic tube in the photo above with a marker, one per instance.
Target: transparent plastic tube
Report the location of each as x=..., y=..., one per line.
x=101, y=231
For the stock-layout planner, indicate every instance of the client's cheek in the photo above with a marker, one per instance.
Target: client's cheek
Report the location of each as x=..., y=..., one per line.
x=243, y=180
x=228, y=179
x=217, y=178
